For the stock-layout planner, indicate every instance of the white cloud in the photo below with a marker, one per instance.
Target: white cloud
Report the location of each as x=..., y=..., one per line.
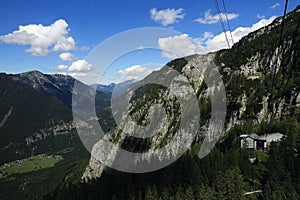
x=183, y=45
x=85, y=48
x=167, y=16
x=177, y=46
x=140, y=47
x=66, y=56
x=80, y=66
x=62, y=73
x=78, y=74
x=219, y=41
x=62, y=67
x=260, y=16
x=206, y=36
x=42, y=39
x=275, y=5
x=135, y=72
x=212, y=19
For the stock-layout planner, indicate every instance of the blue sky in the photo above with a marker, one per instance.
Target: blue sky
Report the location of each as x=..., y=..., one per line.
x=59, y=36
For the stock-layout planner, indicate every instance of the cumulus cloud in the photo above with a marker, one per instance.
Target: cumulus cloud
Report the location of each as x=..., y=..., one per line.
x=78, y=74
x=183, y=45
x=275, y=5
x=260, y=16
x=62, y=73
x=85, y=48
x=80, y=66
x=140, y=47
x=42, y=39
x=212, y=19
x=167, y=16
x=206, y=35
x=66, y=56
x=135, y=72
x=62, y=67
x=177, y=46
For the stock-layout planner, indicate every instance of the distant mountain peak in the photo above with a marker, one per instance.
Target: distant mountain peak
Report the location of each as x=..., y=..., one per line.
x=33, y=72
x=116, y=88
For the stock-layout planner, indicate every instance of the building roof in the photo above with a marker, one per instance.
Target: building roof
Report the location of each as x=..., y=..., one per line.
x=254, y=136
x=262, y=137
x=274, y=137
x=268, y=138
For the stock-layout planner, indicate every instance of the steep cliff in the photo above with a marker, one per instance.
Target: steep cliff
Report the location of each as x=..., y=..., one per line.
x=261, y=78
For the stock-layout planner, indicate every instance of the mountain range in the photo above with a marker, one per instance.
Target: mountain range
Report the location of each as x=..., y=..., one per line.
x=261, y=80
x=261, y=77
x=115, y=89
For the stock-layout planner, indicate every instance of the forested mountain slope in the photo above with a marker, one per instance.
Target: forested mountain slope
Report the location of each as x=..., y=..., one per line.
x=261, y=78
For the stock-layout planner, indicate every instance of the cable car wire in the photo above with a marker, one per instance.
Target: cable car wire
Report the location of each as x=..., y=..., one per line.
x=221, y=20
x=228, y=24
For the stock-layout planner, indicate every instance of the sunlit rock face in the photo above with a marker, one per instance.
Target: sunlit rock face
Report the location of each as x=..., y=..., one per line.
x=260, y=83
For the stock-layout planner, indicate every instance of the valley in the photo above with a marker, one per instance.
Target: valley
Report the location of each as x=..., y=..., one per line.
x=47, y=151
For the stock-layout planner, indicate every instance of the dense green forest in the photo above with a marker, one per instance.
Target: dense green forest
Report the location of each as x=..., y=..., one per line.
x=264, y=100
x=226, y=173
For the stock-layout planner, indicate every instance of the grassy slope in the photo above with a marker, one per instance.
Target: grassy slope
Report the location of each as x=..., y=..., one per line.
x=35, y=184
x=28, y=165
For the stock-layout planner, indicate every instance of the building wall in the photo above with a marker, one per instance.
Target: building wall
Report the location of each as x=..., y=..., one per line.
x=248, y=143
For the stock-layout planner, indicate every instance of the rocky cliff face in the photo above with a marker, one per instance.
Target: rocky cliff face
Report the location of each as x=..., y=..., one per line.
x=165, y=95
x=261, y=72
x=261, y=78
